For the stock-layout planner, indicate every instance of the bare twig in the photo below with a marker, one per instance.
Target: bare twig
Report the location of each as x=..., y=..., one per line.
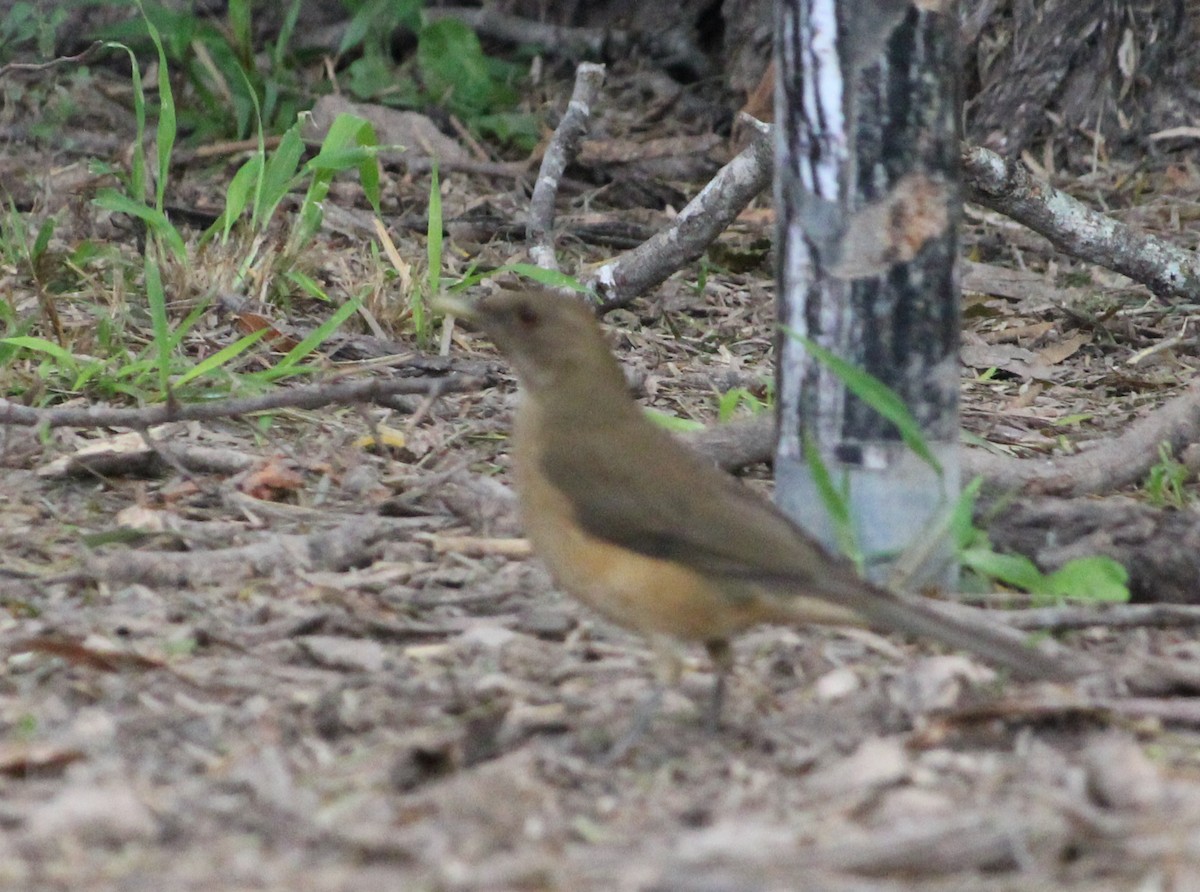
x=477, y=546
x=1116, y=616
x=355, y=542
x=558, y=39
x=1005, y=185
x=311, y=396
x=674, y=46
x=1175, y=710
x=559, y=153
x=703, y=219
x=79, y=58
x=1106, y=467
x=735, y=444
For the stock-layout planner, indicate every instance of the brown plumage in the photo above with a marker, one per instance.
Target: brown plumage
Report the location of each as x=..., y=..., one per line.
x=657, y=539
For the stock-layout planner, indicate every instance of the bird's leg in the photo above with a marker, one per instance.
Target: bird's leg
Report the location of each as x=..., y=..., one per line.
x=667, y=669
x=721, y=654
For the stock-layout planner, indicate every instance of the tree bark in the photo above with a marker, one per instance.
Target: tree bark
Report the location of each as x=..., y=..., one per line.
x=868, y=205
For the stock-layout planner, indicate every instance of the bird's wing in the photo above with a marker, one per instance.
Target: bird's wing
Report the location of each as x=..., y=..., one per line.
x=661, y=500
x=657, y=498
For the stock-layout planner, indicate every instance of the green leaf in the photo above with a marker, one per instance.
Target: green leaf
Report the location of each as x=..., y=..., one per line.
x=222, y=357
x=137, y=164
x=307, y=284
x=549, y=277
x=673, y=422
x=237, y=195
x=433, y=260
x=837, y=505
x=156, y=221
x=728, y=404
x=278, y=175
x=1014, y=570
x=42, y=241
x=1095, y=578
x=875, y=394
x=456, y=71
x=41, y=345
x=318, y=336
x=962, y=518
x=240, y=26
x=164, y=136
x=517, y=128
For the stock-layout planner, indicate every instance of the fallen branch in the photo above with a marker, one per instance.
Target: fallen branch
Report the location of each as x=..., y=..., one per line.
x=312, y=396
x=354, y=543
x=1005, y=185
x=1104, y=467
x=1116, y=616
x=676, y=46
x=1174, y=710
x=563, y=148
x=738, y=443
x=703, y=219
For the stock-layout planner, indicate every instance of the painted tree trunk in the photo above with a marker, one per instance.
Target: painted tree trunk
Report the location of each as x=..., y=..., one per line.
x=868, y=204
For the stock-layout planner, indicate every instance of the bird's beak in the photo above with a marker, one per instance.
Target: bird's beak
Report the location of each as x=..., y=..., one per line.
x=448, y=305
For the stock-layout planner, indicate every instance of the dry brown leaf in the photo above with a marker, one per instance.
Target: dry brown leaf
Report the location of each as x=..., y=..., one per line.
x=271, y=481
x=1056, y=353
x=81, y=654
x=18, y=760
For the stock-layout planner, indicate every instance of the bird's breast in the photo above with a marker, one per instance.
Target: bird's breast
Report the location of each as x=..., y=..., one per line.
x=646, y=594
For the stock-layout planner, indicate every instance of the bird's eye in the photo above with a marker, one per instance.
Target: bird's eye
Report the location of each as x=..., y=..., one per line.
x=527, y=315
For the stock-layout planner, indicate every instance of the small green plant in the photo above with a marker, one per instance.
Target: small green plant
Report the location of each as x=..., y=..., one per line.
x=161, y=369
x=735, y=397
x=433, y=262
x=673, y=423
x=1164, y=483
x=1097, y=578
x=30, y=23
x=222, y=71
x=450, y=69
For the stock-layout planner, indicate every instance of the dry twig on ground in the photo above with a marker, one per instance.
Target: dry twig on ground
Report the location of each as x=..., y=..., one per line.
x=703, y=219
x=1004, y=185
x=312, y=396
x=353, y=543
x=1105, y=467
x=563, y=148
x=1115, y=616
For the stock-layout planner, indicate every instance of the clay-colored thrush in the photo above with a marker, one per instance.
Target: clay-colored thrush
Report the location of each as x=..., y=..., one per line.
x=659, y=540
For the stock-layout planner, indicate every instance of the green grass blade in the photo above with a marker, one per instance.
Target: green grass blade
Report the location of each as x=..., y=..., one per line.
x=222, y=357
x=156, y=221
x=40, y=345
x=164, y=137
x=875, y=394
x=318, y=335
x=835, y=501
x=673, y=422
x=157, y=299
x=185, y=326
x=137, y=165
x=278, y=175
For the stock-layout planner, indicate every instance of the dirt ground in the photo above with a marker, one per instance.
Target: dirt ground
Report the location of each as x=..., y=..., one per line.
x=326, y=669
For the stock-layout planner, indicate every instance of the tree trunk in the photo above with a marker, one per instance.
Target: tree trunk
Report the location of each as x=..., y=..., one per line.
x=868, y=204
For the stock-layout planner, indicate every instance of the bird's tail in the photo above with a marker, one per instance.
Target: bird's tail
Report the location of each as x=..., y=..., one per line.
x=962, y=627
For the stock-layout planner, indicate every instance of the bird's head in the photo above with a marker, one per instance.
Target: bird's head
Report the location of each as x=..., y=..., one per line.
x=554, y=343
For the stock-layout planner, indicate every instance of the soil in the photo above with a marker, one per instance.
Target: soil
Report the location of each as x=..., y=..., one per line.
x=332, y=669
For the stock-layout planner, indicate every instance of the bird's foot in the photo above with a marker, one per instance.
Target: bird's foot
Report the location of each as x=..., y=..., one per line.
x=642, y=719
